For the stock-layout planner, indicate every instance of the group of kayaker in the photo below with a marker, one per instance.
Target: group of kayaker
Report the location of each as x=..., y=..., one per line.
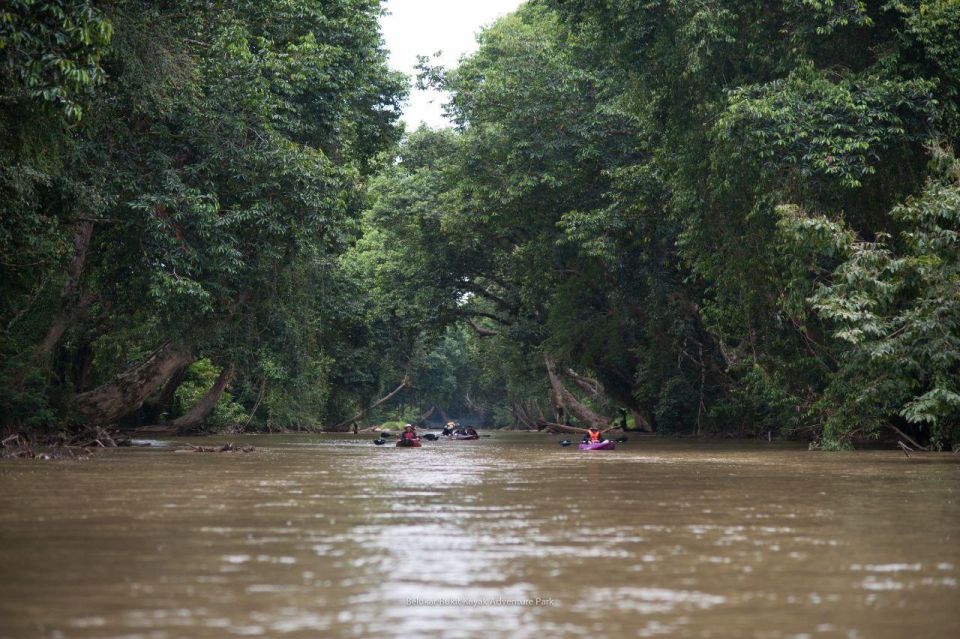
x=452, y=429
x=409, y=437
x=456, y=431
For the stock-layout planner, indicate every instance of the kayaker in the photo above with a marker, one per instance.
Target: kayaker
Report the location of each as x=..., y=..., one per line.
x=472, y=433
x=409, y=433
x=448, y=429
x=592, y=435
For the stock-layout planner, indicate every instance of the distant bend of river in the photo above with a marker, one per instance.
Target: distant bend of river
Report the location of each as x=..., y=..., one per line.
x=510, y=536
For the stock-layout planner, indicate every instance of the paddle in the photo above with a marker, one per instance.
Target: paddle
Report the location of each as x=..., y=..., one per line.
x=619, y=440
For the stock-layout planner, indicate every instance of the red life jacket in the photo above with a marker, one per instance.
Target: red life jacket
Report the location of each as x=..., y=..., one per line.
x=594, y=436
x=409, y=434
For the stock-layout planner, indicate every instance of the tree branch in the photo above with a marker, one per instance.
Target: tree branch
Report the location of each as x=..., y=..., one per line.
x=385, y=398
x=482, y=332
x=566, y=399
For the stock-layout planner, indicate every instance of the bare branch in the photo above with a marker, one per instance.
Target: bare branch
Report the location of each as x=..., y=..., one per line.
x=482, y=332
x=385, y=398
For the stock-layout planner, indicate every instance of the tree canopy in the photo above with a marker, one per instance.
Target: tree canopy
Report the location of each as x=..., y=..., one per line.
x=737, y=219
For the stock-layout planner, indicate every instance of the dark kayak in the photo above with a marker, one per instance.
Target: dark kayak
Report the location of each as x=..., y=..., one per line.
x=408, y=443
x=604, y=445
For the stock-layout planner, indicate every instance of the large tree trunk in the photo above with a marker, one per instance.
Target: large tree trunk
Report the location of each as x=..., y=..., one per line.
x=202, y=409
x=68, y=310
x=81, y=242
x=554, y=427
x=153, y=409
x=61, y=322
x=126, y=392
x=565, y=399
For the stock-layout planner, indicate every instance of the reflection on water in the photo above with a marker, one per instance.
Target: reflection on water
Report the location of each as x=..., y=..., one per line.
x=510, y=536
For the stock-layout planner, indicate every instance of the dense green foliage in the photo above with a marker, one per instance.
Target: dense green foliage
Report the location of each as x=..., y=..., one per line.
x=181, y=173
x=728, y=215
x=736, y=217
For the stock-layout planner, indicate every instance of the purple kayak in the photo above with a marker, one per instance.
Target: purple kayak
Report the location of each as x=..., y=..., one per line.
x=604, y=445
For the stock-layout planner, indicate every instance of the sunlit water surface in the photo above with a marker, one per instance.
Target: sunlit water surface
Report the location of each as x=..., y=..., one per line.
x=510, y=536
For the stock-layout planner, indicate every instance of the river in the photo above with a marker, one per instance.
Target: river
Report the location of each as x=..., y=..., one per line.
x=511, y=536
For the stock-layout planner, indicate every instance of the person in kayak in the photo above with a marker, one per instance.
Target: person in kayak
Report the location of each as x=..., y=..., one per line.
x=471, y=432
x=448, y=429
x=592, y=436
x=409, y=434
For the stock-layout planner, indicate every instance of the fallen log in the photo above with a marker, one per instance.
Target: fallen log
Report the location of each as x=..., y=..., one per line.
x=554, y=427
x=229, y=447
x=15, y=438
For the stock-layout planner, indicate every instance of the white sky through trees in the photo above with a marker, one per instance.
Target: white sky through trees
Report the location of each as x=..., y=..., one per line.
x=423, y=27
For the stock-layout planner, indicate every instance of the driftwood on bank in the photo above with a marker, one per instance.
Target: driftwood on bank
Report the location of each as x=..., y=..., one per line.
x=79, y=447
x=385, y=398
x=226, y=448
x=95, y=438
x=906, y=437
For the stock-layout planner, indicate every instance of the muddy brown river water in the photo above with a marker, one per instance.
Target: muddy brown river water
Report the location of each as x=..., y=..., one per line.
x=511, y=536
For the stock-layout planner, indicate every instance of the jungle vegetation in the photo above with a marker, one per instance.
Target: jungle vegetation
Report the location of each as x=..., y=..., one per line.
x=705, y=217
